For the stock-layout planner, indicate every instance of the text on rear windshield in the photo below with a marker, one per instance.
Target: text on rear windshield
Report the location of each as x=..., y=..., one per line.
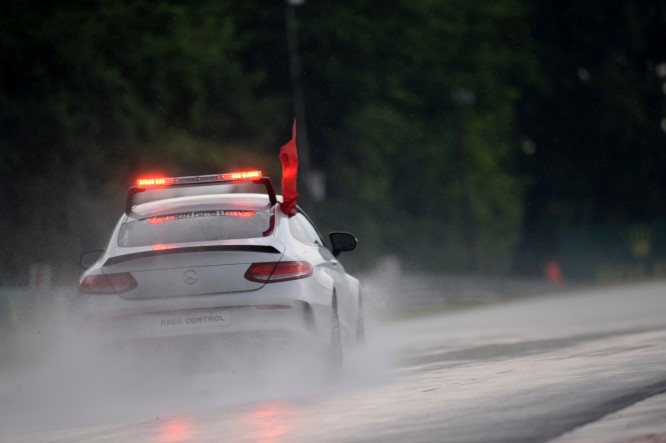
x=195, y=227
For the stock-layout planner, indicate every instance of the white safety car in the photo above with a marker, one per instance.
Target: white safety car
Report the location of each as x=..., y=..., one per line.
x=212, y=257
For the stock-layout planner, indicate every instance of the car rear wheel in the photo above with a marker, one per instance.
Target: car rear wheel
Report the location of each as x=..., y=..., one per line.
x=335, y=358
x=360, y=323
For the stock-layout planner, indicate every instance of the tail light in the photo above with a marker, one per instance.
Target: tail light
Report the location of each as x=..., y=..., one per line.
x=107, y=283
x=274, y=272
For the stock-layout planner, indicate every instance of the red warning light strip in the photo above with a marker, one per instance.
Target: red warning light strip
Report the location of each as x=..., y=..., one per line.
x=230, y=176
x=241, y=175
x=154, y=181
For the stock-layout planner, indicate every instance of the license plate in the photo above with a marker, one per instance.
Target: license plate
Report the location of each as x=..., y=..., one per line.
x=193, y=320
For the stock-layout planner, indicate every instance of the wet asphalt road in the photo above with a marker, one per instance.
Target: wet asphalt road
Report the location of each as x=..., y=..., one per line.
x=525, y=371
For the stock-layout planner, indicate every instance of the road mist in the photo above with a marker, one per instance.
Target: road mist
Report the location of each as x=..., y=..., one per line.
x=56, y=378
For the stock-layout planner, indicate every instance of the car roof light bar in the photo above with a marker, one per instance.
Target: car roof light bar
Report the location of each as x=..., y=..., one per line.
x=194, y=180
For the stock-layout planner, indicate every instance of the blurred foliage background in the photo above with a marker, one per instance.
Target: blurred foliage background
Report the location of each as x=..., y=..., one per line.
x=459, y=136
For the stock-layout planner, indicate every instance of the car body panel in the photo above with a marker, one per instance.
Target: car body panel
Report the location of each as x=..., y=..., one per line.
x=193, y=273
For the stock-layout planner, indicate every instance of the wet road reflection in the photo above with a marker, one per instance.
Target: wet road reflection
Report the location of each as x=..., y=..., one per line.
x=176, y=431
x=268, y=423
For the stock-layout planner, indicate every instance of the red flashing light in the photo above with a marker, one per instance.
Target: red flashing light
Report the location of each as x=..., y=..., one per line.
x=195, y=179
x=142, y=182
x=242, y=175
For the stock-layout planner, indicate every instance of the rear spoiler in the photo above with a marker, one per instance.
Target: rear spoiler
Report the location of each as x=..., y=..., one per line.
x=199, y=180
x=192, y=249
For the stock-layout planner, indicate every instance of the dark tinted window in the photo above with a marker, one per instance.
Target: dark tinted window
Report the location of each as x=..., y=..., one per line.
x=195, y=227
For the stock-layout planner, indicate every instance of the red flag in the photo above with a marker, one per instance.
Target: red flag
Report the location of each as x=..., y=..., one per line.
x=289, y=160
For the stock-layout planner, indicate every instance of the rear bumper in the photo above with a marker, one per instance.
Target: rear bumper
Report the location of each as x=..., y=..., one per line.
x=295, y=318
x=290, y=308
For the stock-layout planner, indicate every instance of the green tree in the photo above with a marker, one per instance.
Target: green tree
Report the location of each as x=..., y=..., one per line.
x=598, y=152
x=92, y=92
x=387, y=129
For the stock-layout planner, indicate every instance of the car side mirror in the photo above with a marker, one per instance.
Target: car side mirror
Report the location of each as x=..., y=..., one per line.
x=89, y=258
x=341, y=242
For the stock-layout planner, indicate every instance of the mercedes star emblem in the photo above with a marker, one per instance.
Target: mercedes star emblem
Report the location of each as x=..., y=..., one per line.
x=190, y=277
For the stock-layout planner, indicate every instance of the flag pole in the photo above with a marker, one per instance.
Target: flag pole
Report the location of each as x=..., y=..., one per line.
x=296, y=87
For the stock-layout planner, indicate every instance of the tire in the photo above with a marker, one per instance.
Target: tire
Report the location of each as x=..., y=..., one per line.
x=360, y=323
x=334, y=354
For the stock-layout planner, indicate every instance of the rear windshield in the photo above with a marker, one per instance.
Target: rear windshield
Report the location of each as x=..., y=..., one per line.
x=195, y=227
